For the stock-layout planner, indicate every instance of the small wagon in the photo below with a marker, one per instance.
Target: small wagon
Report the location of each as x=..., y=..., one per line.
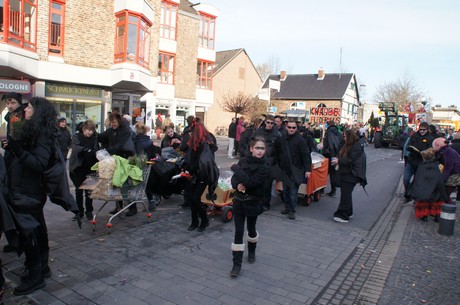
x=221, y=203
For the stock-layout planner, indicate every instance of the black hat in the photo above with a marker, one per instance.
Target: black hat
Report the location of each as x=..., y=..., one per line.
x=16, y=96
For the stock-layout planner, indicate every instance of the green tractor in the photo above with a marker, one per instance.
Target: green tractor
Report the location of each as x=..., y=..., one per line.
x=391, y=126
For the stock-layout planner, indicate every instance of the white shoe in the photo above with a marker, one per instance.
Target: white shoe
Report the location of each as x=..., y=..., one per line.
x=341, y=220
x=231, y=157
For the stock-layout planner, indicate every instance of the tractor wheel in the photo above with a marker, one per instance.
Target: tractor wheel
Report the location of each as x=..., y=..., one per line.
x=378, y=140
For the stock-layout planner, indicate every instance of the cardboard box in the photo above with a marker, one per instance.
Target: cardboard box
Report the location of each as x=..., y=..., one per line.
x=220, y=196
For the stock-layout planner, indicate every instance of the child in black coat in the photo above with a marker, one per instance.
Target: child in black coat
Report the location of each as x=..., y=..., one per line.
x=248, y=179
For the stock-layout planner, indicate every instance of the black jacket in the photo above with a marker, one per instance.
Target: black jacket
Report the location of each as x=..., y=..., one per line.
x=166, y=142
x=299, y=153
x=272, y=143
x=64, y=140
x=428, y=183
x=25, y=174
x=352, y=168
x=418, y=143
x=252, y=172
x=332, y=142
x=118, y=141
x=83, y=157
x=232, y=130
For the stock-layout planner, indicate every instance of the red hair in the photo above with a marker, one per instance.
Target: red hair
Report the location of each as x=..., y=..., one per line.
x=198, y=134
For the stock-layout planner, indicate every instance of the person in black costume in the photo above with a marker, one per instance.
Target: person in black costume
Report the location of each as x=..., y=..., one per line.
x=82, y=158
x=15, y=113
x=117, y=140
x=331, y=146
x=352, y=170
x=32, y=152
x=194, y=146
x=248, y=179
x=63, y=137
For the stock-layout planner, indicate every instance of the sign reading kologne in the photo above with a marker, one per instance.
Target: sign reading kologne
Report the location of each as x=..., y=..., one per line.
x=18, y=86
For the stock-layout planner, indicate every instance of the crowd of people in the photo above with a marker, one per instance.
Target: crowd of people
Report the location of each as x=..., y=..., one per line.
x=268, y=149
x=432, y=169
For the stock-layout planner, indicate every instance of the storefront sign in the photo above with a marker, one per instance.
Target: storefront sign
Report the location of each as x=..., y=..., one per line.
x=18, y=86
x=55, y=90
x=324, y=114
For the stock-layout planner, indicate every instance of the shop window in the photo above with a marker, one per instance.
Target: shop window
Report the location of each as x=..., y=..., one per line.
x=19, y=24
x=132, y=39
x=204, y=75
x=168, y=20
x=166, y=68
x=207, y=28
x=78, y=111
x=56, y=28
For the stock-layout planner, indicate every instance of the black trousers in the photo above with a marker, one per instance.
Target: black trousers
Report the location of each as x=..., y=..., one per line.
x=345, y=208
x=197, y=208
x=88, y=201
x=333, y=176
x=239, y=220
x=36, y=248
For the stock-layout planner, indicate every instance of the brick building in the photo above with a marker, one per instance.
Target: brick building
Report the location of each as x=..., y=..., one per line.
x=140, y=57
x=318, y=97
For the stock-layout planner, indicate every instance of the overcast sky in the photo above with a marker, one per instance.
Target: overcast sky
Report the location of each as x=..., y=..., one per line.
x=381, y=41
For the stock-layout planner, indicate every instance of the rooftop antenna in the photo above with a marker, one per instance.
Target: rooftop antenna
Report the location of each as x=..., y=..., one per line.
x=340, y=63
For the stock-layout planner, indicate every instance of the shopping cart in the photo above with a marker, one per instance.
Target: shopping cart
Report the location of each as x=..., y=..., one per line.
x=131, y=193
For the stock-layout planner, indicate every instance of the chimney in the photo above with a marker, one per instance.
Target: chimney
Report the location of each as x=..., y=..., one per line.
x=321, y=73
x=283, y=75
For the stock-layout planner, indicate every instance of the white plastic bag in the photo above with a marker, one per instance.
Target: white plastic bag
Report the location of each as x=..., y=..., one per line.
x=107, y=164
x=224, y=181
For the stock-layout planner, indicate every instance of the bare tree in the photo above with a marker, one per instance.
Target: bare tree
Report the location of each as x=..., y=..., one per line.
x=238, y=103
x=272, y=66
x=402, y=92
x=258, y=108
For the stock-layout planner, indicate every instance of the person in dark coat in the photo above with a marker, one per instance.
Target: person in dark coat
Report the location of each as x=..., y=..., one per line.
x=15, y=114
x=352, y=170
x=450, y=160
x=455, y=144
x=193, y=144
x=7, y=225
x=418, y=142
x=144, y=146
x=231, y=139
x=309, y=139
x=31, y=156
x=248, y=180
x=273, y=149
x=184, y=147
x=427, y=188
x=297, y=168
x=170, y=139
x=246, y=137
x=117, y=140
x=63, y=137
x=331, y=147
x=82, y=158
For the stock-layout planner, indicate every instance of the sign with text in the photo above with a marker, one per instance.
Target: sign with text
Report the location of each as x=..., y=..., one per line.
x=19, y=86
x=56, y=90
x=324, y=114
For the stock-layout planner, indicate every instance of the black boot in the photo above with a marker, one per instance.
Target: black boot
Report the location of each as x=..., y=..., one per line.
x=118, y=207
x=204, y=219
x=252, y=244
x=238, y=250
x=35, y=281
x=195, y=221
